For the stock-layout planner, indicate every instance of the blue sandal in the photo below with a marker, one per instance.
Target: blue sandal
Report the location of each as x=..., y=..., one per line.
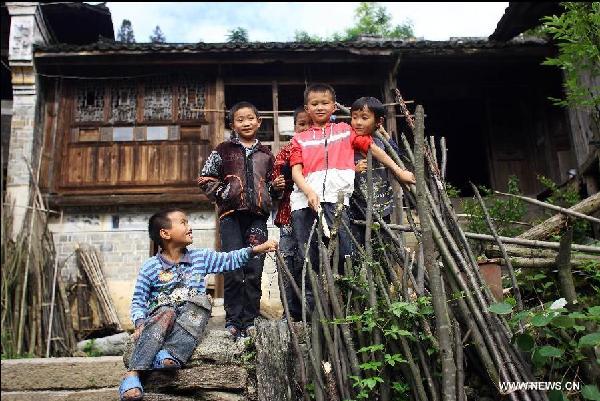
x=129, y=383
x=159, y=361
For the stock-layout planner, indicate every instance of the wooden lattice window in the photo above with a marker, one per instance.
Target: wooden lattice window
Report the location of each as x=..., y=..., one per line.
x=158, y=101
x=123, y=103
x=90, y=103
x=191, y=100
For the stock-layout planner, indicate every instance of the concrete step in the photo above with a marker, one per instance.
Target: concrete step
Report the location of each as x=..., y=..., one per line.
x=58, y=374
x=111, y=394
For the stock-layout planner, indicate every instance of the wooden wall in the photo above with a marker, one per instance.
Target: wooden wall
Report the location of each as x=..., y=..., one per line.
x=83, y=158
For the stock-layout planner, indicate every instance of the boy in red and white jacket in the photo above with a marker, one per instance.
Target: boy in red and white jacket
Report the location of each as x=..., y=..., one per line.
x=322, y=160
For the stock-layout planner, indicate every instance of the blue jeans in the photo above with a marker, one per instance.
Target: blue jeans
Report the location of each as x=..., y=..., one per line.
x=302, y=221
x=174, y=328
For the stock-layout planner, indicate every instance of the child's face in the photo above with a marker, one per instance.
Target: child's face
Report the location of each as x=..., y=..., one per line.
x=245, y=123
x=302, y=122
x=364, y=122
x=180, y=233
x=320, y=106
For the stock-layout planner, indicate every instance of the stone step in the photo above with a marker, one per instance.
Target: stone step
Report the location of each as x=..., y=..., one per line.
x=58, y=374
x=111, y=394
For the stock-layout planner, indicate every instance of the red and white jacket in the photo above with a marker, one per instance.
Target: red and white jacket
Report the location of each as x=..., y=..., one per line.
x=327, y=156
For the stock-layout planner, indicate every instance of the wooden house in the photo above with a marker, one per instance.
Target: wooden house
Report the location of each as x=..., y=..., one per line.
x=123, y=129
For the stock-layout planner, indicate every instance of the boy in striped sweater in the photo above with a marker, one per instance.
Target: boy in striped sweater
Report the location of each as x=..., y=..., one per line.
x=322, y=160
x=169, y=307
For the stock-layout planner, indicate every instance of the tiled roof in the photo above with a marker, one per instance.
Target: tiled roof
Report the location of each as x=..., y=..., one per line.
x=109, y=46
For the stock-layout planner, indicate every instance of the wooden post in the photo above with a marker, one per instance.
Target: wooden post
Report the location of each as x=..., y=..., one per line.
x=275, y=93
x=391, y=126
x=274, y=365
x=218, y=137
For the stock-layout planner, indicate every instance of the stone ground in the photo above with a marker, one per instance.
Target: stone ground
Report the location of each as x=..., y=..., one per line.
x=216, y=372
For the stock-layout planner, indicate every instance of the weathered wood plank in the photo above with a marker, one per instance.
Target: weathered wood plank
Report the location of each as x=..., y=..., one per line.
x=274, y=368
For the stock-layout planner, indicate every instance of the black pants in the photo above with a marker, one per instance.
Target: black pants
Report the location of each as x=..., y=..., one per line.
x=242, y=286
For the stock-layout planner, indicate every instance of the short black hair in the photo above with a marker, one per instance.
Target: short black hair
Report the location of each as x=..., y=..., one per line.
x=159, y=221
x=239, y=106
x=371, y=103
x=318, y=87
x=297, y=111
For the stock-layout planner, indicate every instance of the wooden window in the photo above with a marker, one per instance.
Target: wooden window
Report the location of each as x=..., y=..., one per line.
x=191, y=100
x=123, y=103
x=158, y=101
x=89, y=104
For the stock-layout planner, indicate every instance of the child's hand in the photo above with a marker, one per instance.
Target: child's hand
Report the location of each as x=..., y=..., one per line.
x=267, y=246
x=361, y=166
x=204, y=180
x=279, y=183
x=313, y=201
x=406, y=177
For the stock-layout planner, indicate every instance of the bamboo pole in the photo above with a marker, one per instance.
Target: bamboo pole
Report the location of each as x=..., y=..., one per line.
x=437, y=290
x=562, y=210
x=511, y=271
x=53, y=297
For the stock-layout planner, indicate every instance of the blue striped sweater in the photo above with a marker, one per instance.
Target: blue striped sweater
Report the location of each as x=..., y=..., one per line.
x=159, y=280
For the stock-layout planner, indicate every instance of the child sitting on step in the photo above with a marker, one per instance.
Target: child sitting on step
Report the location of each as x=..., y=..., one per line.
x=169, y=307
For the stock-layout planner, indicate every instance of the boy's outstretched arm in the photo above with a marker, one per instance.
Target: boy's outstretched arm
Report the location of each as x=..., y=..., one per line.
x=298, y=177
x=404, y=176
x=219, y=262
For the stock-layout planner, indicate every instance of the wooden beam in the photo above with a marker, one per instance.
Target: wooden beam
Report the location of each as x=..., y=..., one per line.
x=275, y=95
x=389, y=85
x=219, y=136
x=58, y=201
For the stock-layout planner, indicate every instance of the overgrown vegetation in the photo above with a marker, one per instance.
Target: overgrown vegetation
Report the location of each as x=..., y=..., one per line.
x=505, y=211
x=577, y=35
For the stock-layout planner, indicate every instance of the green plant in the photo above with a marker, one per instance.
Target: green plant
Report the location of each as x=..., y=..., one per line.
x=565, y=197
x=577, y=35
x=555, y=338
x=90, y=348
x=504, y=211
x=452, y=191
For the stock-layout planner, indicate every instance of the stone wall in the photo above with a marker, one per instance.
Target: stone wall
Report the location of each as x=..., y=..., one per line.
x=122, y=239
x=27, y=27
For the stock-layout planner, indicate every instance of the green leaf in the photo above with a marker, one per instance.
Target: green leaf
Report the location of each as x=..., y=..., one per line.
x=538, y=359
x=590, y=340
x=577, y=315
x=541, y=320
x=520, y=315
x=392, y=360
x=372, y=348
x=579, y=328
x=501, y=308
x=525, y=342
x=372, y=365
x=594, y=310
x=564, y=322
x=590, y=392
x=556, y=395
x=550, y=351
